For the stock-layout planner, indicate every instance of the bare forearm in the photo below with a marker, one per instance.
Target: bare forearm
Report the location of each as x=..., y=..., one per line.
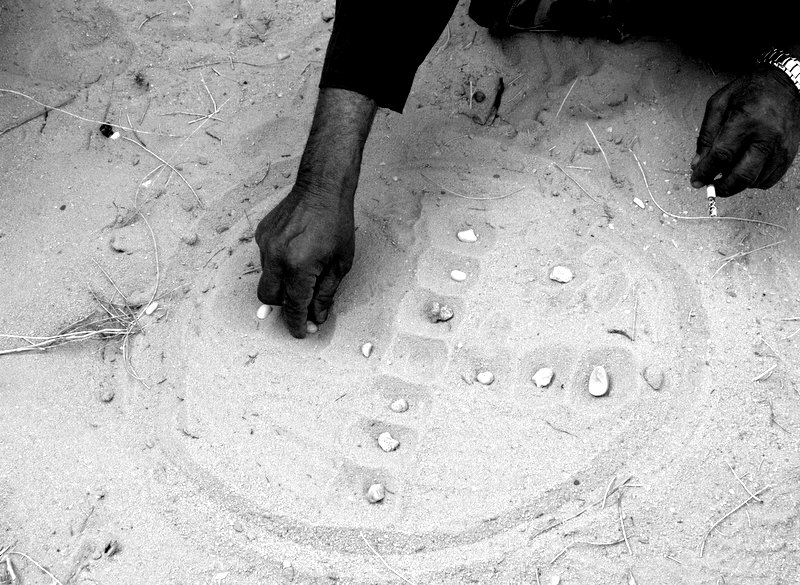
x=331, y=160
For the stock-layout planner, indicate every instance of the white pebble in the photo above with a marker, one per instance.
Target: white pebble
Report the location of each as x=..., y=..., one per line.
x=366, y=349
x=638, y=202
x=387, y=442
x=468, y=236
x=543, y=377
x=399, y=405
x=561, y=274
x=151, y=308
x=283, y=56
x=376, y=493
x=458, y=275
x=263, y=311
x=598, y=381
x=311, y=327
x=555, y=580
x=485, y=378
x=115, y=136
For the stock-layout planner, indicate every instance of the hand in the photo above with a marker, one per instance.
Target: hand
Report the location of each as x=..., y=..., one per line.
x=307, y=244
x=750, y=133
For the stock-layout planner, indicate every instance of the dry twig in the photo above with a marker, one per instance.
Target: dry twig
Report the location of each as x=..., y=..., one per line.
x=385, y=564
x=471, y=198
x=691, y=218
x=574, y=180
x=565, y=98
x=603, y=152
x=729, y=514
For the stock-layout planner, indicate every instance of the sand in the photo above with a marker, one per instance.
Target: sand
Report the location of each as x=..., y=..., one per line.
x=244, y=455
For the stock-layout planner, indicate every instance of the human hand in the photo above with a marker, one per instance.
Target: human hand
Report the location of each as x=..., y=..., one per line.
x=750, y=133
x=307, y=244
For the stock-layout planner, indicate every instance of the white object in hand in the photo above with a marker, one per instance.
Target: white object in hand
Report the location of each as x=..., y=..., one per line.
x=711, y=194
x=263, y=311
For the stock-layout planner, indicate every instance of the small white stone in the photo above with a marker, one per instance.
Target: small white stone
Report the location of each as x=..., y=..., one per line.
x=151, y=308
x=115, y=136
x=543, y=377
x=598, y=381
x=263, y=311
x=311, y=327
x=458, y=275
x=468, y=236
x=561, y=274
x=283, y=56
x=366, y=349
x=387, y=442
x=638, y=202
x=555, y=580
x=147, y=183
x=485, y=378
x=399, y=405
x=376, y=493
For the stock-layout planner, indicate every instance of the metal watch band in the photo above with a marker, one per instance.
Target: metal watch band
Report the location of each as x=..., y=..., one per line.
x=784, y=61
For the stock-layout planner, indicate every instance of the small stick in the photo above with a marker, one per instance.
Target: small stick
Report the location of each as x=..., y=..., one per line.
x=673, y=559
x=446, y=42
x=738, y=255
x=622, y=525
x=603, y=152
x=58, y=109
x=468, y=196
x=635, y=313
x=34, y=116
x=726, y=516
x=37, y=565
x=668, y=214
x=739, y=479
x=565, y=98
x=605, y=495
x=555, y=428
x=190, y=4
x=165, y=163
x=146, y=109
x=469, y=44
x=148, y=19
x=470, y=93
x=747, y=513
x=139, y=138
x=581, y=511
x=580, y=168
x=576, y=182
x=537, y=577
x=765, y=374
x=385, y=564
x=791, y=336
x=588, y=543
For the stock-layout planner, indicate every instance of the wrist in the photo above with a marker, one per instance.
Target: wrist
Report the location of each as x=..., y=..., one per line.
x=331, y=161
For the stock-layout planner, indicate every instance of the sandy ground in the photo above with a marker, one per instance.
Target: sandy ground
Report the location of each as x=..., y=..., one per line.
x=243, y=455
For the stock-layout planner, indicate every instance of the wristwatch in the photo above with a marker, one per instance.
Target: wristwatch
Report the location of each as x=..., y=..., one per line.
x=784, y=61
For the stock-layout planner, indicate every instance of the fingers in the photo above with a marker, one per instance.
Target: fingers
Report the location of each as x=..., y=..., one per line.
x=323, y=296
x=746, y=172
x=710, y=129
x=297, y=298
x=723, y=154
x=270, y=286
